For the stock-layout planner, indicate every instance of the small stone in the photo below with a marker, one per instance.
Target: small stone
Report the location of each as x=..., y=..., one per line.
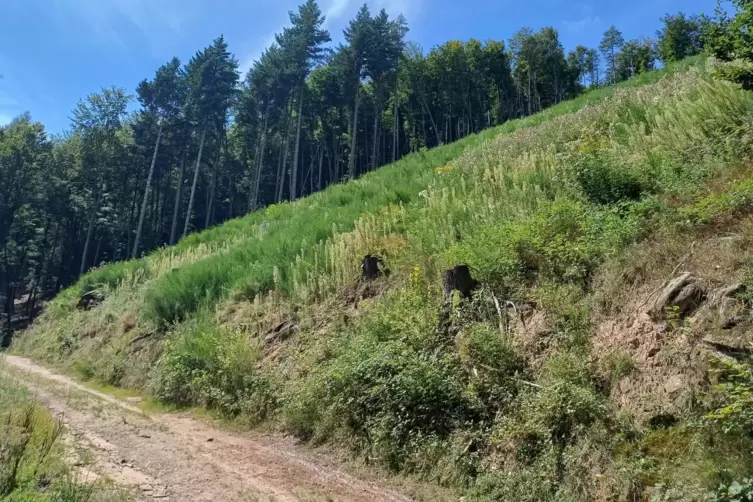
x=674, y=384
x=209, y=440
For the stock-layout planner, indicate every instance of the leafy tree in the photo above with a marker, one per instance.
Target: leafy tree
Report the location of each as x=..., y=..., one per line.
x=358, y=34
x=636, y=56
x=304, y=41
x=97, y=120
x=680, y=37
x=731, y=39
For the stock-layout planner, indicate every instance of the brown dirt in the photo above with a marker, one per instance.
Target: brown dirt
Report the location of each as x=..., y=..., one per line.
x=177, y=457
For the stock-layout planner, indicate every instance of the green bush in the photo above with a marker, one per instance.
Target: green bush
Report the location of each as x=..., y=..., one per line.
x=734, y=397
x=603, y=182
x=204, y=365
x=733, y=491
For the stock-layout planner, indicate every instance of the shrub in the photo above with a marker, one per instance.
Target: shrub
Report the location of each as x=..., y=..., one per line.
x=204, y=365
x=734, y=395
x=602, y=182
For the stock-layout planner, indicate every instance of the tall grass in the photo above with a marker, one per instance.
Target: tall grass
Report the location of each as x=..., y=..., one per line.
x=286, y=238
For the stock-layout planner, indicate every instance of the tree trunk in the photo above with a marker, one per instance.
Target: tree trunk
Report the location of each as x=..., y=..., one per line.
x=377, y=115
x=178, y=196
x=321, y=159
x=146, y=194
x=294, y=168
x=433, y=124
x=353, y=135
x=210, y=205
x=253, y=199
x=195, y=180
x=278, y=178
x=395, y=132
x=284, y=162
x=90, y=230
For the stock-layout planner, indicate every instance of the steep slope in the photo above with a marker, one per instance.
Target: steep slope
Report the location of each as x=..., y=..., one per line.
x=558, y=377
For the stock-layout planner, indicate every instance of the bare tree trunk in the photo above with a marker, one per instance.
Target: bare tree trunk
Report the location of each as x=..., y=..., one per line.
x=146, y=194
x=278, y=179
x=210, y=205
x=259, y=162
x=90, y=230
x=353, y=136
x=433, y=124
x=284, y=161
x=196, y=170
x=395, y=132
x=377, y=115
x=96, y=252
x=321, y=159
x=294, y=168
x=178, y=196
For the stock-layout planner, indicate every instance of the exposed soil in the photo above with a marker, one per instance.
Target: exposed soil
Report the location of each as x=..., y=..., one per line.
x=177, y=457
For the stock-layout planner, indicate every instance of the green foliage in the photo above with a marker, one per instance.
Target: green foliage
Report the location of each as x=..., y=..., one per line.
x=680, y=37
x=734, y=412
x=603, y=183
x=733, y=491
x=204, y=365
x=729, y=40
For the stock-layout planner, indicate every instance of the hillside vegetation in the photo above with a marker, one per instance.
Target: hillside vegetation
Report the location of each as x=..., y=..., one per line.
x=559, y=378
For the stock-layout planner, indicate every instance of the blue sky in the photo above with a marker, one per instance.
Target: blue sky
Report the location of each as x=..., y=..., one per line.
x=54, y=52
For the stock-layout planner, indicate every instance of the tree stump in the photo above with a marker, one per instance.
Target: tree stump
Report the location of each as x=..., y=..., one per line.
x=458, y=279
x=372, y=268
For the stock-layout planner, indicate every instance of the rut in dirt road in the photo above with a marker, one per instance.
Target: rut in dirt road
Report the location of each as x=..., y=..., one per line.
x=176, y=457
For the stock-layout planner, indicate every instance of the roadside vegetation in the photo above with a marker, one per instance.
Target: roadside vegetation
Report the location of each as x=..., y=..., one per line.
x=35, y=462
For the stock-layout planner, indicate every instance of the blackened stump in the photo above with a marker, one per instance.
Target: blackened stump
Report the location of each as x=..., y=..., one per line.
x=458, y=279
x=372, y=268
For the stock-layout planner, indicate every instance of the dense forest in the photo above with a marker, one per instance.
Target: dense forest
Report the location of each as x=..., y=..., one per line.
x=208, y=144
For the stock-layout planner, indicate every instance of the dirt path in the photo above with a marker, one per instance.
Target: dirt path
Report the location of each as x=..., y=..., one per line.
x=176, y=457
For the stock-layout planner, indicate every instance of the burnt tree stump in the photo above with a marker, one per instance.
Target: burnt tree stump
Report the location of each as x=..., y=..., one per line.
x=458, y=279
x=372, y=268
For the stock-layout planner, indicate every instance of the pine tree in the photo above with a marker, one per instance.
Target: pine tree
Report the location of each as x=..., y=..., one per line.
x=609, y=46
x=212, y=76
x=160, y=100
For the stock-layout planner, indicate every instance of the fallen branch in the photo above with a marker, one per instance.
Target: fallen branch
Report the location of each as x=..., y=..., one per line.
x=666, y=281
x=140, y=338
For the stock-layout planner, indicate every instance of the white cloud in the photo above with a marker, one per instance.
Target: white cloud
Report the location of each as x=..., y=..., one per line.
x=155, y=19
x=583, y=24
x=587, y=20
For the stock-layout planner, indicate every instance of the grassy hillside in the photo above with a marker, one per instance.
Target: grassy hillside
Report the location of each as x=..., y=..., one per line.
x=550, y=383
